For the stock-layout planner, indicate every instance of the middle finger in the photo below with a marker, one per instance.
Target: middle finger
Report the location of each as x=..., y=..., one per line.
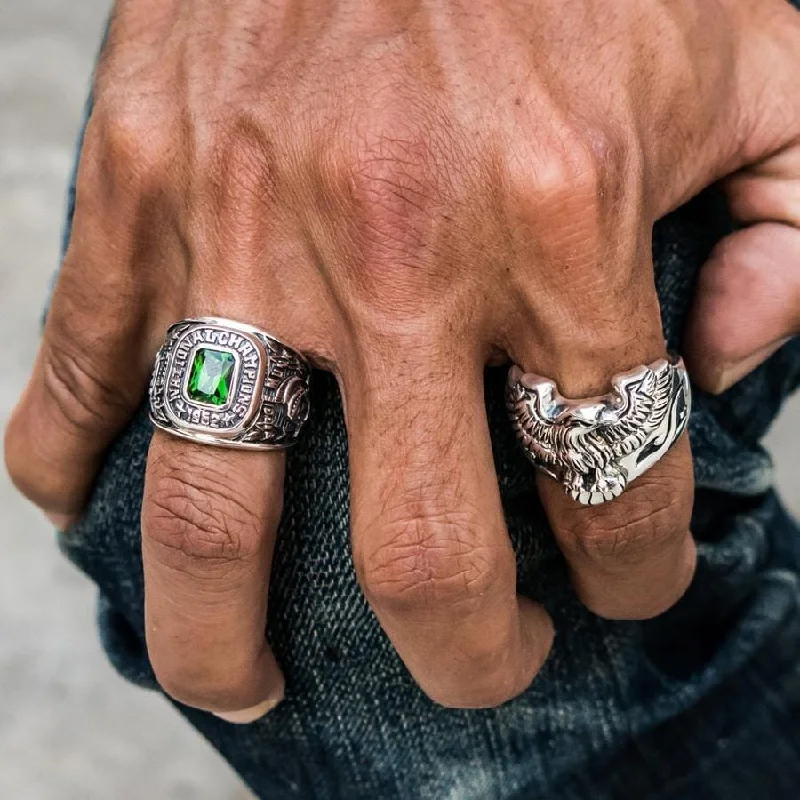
x=429, y=540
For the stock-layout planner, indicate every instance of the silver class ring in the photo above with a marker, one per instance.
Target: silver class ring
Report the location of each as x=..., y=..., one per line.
x=595, y=447
x=228, y=384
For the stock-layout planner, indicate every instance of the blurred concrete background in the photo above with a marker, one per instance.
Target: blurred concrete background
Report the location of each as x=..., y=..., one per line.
x=69, y=728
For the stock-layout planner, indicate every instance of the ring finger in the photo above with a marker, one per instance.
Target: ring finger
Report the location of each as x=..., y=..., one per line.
x=633, y=556
x=209, y=521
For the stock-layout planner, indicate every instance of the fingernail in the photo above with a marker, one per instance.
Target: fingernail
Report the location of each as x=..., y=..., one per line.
x=734, y=372
x=248, y=715
x=61, y=521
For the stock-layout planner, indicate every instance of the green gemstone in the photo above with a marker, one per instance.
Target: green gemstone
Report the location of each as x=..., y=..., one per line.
x=210, y=380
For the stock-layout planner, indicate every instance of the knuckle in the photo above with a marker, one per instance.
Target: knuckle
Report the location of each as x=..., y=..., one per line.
x=196, y=517
x=425, y=562
x=589, y=166
x=131, y=141
x=391, y=171
x=655, y=514
x=240, y=162
x=88, y=401
x=568, y=169
x=389, y=176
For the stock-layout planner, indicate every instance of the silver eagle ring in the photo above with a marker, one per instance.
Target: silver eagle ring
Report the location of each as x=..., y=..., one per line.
x=228, y=384
x=597, y=446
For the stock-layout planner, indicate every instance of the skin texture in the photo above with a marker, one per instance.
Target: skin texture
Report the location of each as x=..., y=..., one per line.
x=406, y=191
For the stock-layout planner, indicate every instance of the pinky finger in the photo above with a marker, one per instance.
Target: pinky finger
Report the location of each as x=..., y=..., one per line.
x=89, y=376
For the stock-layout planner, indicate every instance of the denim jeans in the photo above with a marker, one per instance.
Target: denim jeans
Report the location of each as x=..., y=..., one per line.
x=702, y=703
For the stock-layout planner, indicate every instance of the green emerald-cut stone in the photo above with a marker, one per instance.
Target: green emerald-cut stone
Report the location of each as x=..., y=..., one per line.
x=210, y=379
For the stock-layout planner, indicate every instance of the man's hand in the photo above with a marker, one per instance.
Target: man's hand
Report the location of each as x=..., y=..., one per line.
x=404, y=191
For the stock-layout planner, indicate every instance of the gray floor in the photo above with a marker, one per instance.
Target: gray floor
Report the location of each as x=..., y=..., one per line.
x=69, y=728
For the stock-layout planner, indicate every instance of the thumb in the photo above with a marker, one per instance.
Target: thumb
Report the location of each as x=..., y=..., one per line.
x=747, y=111
x=747, y=302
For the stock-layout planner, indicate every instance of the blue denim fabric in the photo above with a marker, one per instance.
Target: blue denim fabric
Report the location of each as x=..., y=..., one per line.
x=702, y=703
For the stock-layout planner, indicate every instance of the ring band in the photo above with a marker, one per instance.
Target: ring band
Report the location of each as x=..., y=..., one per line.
x=228, y=384
x=597, y=446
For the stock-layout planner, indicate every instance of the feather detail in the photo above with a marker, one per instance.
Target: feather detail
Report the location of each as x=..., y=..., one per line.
x=584, y=450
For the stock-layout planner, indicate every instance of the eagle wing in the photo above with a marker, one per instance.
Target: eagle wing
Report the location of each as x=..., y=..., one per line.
x=629, y=414
x=645, y=405
x=543, y=435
